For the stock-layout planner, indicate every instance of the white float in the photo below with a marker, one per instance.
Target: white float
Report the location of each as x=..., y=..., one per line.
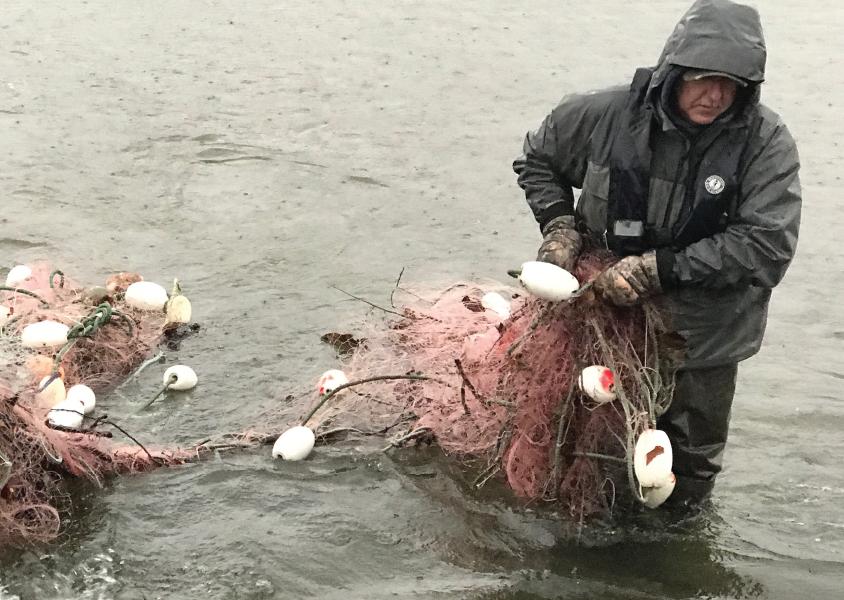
x=547, y=281
x=178, y=309
x=496, y=303
x=146, y=295
x=19, y=275
x=655, y=496
x=53, y=393
x=294, y=444
x=330, y=381
x=597, y=382
x=178, y=306
x=652, y=458
x=83, y=394
x=44, y=334
x=185, y=378
x=67, y=413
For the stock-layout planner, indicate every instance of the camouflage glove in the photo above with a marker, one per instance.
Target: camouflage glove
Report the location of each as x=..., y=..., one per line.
x=630, y=280
x=561, y=244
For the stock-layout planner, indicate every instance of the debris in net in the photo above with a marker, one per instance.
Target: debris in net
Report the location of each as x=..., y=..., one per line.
x=39, y=444
x=503, y=396
x=498, y=393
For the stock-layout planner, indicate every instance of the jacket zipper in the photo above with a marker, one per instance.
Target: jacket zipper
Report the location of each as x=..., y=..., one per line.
x=674, y=181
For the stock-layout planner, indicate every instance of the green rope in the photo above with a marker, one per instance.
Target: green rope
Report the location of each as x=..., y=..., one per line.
x=99, y=317
x=7, y=288
x=61, y=278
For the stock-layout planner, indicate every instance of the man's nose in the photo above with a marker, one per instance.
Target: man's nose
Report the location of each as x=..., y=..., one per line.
x=715, y=93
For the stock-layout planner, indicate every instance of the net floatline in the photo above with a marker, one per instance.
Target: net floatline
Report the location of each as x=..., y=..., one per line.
x=33, y=456
x=499, y=396
x=502, y=396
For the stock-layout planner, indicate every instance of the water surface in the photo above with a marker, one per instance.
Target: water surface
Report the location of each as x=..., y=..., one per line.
x=264, y=151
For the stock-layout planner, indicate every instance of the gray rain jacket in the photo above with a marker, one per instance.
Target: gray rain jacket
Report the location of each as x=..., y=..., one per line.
x=722, y=207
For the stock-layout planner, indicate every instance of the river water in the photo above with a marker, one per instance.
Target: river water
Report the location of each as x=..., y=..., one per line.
x=264, y=151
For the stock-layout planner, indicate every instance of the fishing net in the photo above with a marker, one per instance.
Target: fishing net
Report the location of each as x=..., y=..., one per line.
x=499, y=394
x=112, y=339
x=502, y=394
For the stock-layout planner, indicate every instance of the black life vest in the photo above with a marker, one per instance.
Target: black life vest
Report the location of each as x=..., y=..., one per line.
x=713, y=186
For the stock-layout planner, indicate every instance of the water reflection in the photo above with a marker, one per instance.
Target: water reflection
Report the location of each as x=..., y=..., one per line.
x=673, y=563
x=641, y=552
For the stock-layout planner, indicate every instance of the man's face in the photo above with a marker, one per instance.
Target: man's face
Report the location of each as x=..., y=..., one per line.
x=703, y=100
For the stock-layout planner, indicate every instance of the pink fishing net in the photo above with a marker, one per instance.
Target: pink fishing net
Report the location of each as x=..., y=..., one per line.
x=502, y=394
x=35, y=456
x=498, y=394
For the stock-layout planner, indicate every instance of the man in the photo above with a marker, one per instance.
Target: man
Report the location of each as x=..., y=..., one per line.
x=695, y=184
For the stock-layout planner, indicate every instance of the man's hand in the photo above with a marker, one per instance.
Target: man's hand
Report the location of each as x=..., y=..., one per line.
x=630, y=280
x=561, y=244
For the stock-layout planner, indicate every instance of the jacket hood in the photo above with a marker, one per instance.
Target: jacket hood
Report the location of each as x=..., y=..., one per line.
x=716, y=35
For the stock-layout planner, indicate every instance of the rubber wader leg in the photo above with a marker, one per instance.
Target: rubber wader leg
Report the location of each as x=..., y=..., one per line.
x=697, y=422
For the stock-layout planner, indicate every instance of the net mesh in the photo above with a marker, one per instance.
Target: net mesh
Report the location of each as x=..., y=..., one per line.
x=33, y=455
x=502, y=394
x=498, y=394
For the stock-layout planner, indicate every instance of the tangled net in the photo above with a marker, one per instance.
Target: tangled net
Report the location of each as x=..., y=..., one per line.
x=502, y=395
x=34, y=456
x=499, y=395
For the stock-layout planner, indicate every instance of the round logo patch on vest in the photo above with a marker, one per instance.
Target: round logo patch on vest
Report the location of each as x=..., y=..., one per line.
x=714, y=184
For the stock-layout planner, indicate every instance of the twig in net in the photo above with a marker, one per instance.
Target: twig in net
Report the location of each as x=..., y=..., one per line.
x=466, y=410
x=398, y=280
x=599, y=456
x=466, y=380
x=373, y=305
x=152, y=459
x=565, y=405
x=531, y=328
x=97, y=420
x=413, y=434
x=488, y=474
x=323, y=435
x=340, y=388
x=626, y=405
x=494, y=465
x=95, y=433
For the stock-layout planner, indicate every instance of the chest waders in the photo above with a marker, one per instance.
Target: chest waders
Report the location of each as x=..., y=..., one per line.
x=697, y=420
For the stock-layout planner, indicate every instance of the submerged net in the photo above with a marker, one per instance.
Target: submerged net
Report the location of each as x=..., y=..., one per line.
x=33, y=455
x=502, y=395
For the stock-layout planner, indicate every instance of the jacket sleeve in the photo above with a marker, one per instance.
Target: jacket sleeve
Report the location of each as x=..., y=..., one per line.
x=759, y=242
x=555, y=155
